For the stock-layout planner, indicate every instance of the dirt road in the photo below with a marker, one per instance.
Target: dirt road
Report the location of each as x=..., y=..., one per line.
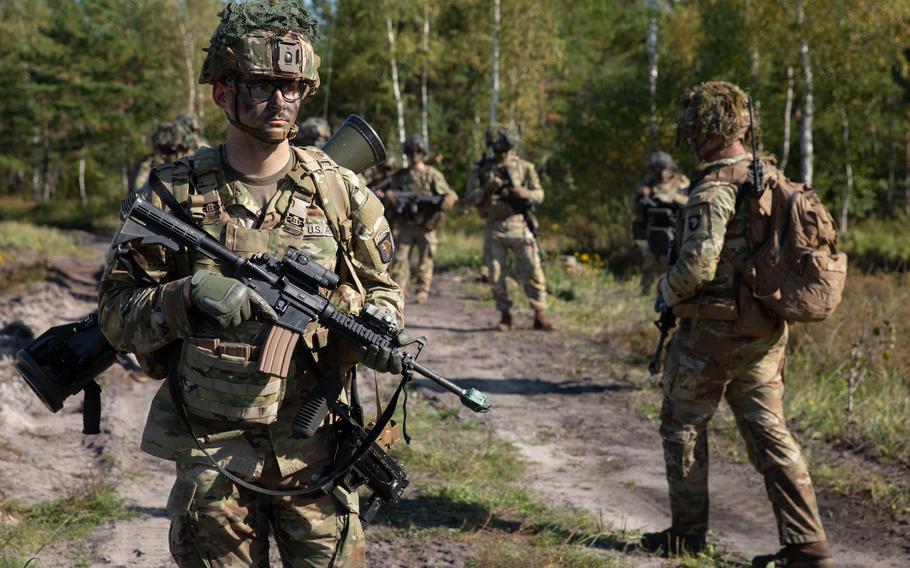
x=559, y=399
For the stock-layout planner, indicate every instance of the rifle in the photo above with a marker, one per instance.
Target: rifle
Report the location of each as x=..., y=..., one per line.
x=292, y=287
x=417, y=207
x=665, y=324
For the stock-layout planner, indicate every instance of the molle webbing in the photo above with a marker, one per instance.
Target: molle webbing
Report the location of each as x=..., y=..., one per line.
x=221, y=381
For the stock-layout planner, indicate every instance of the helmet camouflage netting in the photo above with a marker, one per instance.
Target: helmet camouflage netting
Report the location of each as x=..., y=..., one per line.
x=501, y=138
x=263, y=37
x=715, y=108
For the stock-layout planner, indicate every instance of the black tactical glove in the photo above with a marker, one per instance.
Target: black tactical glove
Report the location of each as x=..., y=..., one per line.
x=660, y=305
x=226, y=300
x=384, y=359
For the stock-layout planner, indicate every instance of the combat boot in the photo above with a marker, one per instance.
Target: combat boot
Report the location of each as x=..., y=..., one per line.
x=542, y=322
x=505, y=322
x=421, y=297
x=808, y=555
x=668, y=543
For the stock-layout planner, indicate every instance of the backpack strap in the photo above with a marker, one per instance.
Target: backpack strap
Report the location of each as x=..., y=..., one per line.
x=205, y=205
x=335, y=201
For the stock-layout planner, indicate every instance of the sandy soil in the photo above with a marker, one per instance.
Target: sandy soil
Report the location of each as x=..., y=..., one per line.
x=560, y=400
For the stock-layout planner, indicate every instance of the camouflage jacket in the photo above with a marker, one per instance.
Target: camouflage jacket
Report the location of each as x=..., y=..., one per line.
x=500, y=214
x=142, y=319
x=671, y=192
x=708, y=227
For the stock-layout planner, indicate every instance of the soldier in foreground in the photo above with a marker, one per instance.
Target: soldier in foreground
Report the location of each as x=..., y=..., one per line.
x=660, y=194
x=419, y=195
x=170, y=142
x=314, y=131
x=256, y=194
x=507, y=189
x=728, y=346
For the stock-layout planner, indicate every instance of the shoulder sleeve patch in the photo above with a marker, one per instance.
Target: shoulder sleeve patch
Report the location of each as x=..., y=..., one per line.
x=385, y=245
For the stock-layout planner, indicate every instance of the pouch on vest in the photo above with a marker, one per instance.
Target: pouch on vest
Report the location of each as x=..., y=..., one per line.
x=661, y=229
x=221, y=381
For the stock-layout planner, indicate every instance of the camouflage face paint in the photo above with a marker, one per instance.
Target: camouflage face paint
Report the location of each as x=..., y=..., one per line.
x=269, y=120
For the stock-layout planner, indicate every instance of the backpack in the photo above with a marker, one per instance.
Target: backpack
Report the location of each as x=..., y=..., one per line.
x=798, y=273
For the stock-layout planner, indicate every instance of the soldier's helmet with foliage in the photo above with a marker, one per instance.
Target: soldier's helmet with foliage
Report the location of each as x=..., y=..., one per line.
x=501, y=138
x=314, y=131
x=190, y=120
x=715, y=108
x=414, y=144
x=661, y=161
x=173, y=138
x=271, y=38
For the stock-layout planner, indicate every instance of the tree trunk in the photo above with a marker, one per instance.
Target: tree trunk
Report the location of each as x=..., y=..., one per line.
x=805, y=130
x=494, y=99
x=652, y=74
x=327, y=86
x=188, y=54
x=36, y=184
x=848, y=187
x=82, y=193
x=396, y=89
x=424, y=94
x=788, y=112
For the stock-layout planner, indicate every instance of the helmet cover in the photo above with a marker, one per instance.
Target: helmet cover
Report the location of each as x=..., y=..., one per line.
x=715, y=108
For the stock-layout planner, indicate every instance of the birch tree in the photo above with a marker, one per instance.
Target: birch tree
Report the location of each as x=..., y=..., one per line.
x=494, y=99
x=808, y=108
x=424, y=93
x=396, y=88
x=652, y=72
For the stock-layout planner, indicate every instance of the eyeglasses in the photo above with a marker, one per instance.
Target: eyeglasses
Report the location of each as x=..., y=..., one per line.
x=260, y=91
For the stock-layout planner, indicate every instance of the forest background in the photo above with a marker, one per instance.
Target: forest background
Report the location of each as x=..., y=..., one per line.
x=85, y=83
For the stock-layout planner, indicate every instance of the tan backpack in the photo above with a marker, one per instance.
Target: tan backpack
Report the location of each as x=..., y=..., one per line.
x=798, y=273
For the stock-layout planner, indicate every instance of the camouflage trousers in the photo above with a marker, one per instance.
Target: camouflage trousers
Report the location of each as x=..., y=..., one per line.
x=487, y=246
x=529, y=271
x=216, y=524
x=707, y=362
x=408, y=237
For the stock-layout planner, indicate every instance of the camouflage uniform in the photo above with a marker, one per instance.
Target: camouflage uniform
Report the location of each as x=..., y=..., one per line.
x=509, y=232
x=472, y=187
x=422, y=236
x=729, y=347
x=240, y=415
x=664, y=193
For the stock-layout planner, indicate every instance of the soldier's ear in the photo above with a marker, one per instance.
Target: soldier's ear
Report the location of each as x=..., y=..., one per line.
x=220, y=94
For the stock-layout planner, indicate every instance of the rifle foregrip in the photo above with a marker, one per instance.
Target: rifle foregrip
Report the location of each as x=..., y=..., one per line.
x=316, y=406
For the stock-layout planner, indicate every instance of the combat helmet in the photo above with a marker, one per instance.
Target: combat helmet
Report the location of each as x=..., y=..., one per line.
x=661, y=161
x=715, y=108
x=501, y=138
x=172, y=139
x=414, y=144
x=314, y=131
x=269, y=38
x=190, y=120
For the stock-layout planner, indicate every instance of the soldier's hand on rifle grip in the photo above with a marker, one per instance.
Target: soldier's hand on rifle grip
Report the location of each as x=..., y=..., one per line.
x=226, y=300
x=384, y=359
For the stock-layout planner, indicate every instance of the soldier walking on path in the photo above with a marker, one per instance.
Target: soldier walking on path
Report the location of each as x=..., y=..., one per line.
x=728, y=345
x=660, y=194
x=418, y=195
x=220, y=417
x=507, y=191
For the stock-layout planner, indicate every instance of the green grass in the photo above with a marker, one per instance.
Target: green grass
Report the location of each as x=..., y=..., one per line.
x=879, y=244
x=22, y=238
x=27, y=530
x=98, y=216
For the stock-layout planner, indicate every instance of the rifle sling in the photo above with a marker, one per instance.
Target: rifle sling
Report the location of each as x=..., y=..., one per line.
x=320, y=486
